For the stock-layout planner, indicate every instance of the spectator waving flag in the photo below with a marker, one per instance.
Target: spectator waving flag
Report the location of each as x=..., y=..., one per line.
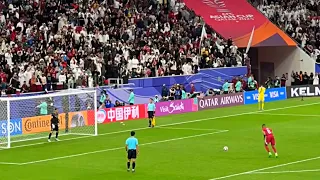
x=203, y=35
x=250, y=41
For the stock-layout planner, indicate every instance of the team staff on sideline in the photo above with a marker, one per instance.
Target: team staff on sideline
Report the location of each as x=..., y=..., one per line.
x=132, y=151
x=225, y=87
x=131, y=97
x=151, y=111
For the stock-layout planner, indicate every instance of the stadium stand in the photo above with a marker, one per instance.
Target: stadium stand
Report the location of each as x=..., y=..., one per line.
x=299, y=19
x=82, y=43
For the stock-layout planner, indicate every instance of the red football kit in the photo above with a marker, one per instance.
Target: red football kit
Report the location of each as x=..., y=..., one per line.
x=269, y=137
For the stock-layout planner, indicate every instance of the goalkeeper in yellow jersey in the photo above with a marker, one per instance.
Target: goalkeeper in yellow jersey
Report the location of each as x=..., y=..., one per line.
x=261, y=92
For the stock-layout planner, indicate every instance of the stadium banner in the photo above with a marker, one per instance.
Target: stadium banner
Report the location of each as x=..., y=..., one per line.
x=175, y=107
x=78, y=119
x=227, y=100
x=303, y=91
x=273, y=94
x=115, y=114
x=224, y=16
x=15, y=127
x=37, y=124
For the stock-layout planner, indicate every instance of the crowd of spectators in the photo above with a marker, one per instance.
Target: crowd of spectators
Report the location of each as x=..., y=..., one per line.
x=300, y=78
x=85, y=42
x=300, y=19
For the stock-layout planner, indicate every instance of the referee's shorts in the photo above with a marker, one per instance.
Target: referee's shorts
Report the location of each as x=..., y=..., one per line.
x=150, y=114
x=132, y=154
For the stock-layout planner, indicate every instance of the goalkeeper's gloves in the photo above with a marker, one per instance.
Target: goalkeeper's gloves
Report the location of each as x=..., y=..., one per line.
x=53, y=126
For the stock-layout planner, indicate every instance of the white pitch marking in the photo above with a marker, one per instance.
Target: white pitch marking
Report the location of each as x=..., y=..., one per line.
x=266, y=168
x=300, y=115
x=120, y=148
x=283, y=172
x=192, y=129
x=171, y=124
x=9, y=163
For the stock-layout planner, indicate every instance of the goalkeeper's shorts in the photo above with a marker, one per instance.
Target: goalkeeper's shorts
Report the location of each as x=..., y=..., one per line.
x=54, y=127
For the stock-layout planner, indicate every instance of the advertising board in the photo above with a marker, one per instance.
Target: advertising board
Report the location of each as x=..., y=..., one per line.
x=227, y=100
x=272, y=94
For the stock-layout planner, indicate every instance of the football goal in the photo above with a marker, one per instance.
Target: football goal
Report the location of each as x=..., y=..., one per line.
x=27, y=119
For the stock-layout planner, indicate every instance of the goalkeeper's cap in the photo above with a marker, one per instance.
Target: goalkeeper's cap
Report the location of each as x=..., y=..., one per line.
x=132, y=133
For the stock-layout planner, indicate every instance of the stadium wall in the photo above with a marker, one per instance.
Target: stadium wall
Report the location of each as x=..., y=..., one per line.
x=275, y=61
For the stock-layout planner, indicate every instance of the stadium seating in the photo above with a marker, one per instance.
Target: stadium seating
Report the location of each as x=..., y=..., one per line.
x=299, y=19
x=82, y=43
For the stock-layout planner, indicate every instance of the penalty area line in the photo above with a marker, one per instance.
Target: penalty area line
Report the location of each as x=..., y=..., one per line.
x=120, y=148
x=283, y=172
x=266, y=168
x=191, y=129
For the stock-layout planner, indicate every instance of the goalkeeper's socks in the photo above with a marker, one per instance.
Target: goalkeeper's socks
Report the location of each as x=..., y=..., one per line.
x=50, y=136
x=57, y=134
x=128, y=165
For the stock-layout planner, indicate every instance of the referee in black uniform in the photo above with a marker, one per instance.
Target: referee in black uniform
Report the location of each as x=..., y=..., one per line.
x=54, y=125
x=132, y=151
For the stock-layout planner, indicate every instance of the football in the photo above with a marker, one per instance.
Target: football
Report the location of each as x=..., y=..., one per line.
x=225, y=148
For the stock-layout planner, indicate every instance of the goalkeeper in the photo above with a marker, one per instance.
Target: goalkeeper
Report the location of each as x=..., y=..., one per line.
x=54, y=125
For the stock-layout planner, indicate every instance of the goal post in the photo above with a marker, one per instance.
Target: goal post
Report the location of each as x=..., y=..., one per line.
x=27, y=118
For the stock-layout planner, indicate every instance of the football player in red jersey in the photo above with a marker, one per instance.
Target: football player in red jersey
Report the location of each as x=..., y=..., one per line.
x=269, y=139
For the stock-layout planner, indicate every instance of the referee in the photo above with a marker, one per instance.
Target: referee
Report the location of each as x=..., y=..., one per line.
x=151, y=111
x=54, y=125
x=132, y=150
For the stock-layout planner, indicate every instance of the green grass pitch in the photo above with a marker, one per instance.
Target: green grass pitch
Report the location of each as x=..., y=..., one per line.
x=183, y=147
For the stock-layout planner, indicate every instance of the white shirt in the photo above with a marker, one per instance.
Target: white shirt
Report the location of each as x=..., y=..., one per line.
x=221, y=48
x=129, y=65
x=186, y=69
x=116, y=4
x=90, y=82
x=135, y=63
x=234, y=49
x=22, y=78
x=8, y=57
x=98, y=62
x=62, y=78
x=316, y=80
x=44, y=80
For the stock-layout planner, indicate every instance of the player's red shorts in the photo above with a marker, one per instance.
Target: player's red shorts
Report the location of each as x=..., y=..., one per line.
x=270, y=140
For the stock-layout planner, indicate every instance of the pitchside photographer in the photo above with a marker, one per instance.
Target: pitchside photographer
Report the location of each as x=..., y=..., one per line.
x=302, y=78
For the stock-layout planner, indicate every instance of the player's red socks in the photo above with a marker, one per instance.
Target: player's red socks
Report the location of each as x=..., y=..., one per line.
x=267, y=148
x=274, y=149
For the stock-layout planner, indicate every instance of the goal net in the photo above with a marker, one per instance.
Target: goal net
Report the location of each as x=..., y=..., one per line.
x=26, y=120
